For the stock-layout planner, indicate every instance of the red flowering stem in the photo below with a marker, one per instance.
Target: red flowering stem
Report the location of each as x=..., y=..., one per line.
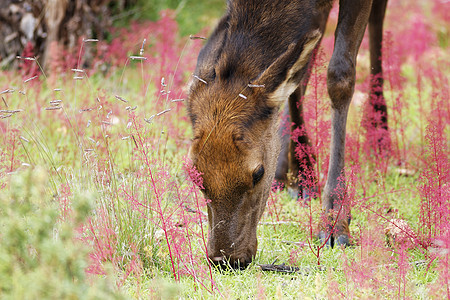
x=158, y=197
x=204, y=240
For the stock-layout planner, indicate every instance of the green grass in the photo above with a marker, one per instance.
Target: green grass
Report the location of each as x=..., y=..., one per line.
x=104, y=166
x=53, y=148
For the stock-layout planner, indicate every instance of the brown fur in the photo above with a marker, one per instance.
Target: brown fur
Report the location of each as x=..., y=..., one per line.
x=253, y=61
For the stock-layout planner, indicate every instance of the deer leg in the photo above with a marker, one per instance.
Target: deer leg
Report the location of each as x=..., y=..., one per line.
x=301, y=156
x=290, y=166
x=377, y=126
x=352, y=22
x=295, y=166
x=281, y=174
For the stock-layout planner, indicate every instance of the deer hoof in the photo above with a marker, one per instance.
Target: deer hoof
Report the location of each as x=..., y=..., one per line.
x=342, y=240
x=308, y=193
x=293, y=193
x=325, y=238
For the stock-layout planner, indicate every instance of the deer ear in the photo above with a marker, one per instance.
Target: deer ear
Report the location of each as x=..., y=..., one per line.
x=283, y=76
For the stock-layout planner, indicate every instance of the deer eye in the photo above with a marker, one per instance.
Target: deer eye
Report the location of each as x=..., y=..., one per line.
x=258, y=175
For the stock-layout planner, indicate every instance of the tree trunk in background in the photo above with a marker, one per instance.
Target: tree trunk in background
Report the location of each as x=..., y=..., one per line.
x=37, y=24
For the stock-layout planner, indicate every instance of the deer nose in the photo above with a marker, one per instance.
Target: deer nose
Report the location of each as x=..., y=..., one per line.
x=232, y=262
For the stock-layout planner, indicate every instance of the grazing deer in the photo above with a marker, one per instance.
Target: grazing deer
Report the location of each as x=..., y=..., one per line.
x=254, y=61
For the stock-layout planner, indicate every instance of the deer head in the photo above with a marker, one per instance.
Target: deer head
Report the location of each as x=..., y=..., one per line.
x=234, y=114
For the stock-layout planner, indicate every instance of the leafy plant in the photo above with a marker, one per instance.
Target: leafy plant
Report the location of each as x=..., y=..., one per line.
x=40, y=254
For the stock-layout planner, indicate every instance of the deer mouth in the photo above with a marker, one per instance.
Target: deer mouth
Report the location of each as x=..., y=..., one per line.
x=232, y=262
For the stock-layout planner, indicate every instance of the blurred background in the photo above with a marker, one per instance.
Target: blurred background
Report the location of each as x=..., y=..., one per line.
x=37, y=23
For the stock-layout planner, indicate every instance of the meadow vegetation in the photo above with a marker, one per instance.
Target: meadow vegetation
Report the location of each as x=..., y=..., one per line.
x=98, y=199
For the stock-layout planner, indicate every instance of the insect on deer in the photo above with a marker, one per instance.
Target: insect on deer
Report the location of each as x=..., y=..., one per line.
x=254, y=61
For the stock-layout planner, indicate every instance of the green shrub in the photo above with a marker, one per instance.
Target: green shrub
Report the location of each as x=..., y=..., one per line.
x=192, y=16
x=40, y=257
